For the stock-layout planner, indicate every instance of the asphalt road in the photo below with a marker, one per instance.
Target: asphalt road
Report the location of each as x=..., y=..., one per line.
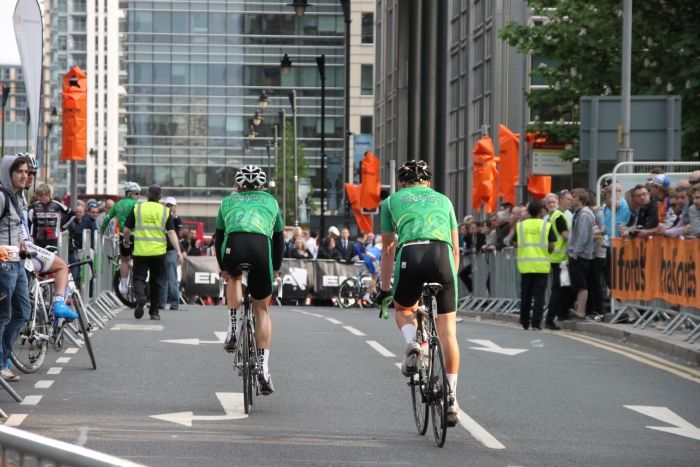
x=532, y=399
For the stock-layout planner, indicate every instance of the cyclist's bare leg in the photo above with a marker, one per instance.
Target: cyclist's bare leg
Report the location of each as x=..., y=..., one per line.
x=123, y=266
x=263, y=323
x=234, y=294
x=447, y=331
x=405, y=315
x=59, y=269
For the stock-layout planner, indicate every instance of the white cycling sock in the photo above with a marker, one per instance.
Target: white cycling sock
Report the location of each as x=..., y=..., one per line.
x=265, y=359
x=409, y=332
x=232, y=321
x=124, y=281
x=58, y=298
x=452, y=381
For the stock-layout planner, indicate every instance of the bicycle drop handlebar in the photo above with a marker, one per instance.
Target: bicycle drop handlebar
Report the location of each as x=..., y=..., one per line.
x=87, y=261
x=384, y=307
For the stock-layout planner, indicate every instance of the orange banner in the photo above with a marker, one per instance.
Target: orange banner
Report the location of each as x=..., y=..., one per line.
x=74, y=130
x=656, y=268
x=508, y=168
x=371, y=183
x=485, y=173
x=364, y=222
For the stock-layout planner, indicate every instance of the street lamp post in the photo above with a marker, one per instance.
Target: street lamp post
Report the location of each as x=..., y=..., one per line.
x=276, y=128
x=5, y=95
x=321, y=63
x=283, y=119
x=293, y=101
x=346, y=150
x=49, y=125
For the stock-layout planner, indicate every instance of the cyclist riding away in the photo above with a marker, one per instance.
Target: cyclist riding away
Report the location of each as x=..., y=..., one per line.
x=250, y=229
x=428, y=251
x=121, y=210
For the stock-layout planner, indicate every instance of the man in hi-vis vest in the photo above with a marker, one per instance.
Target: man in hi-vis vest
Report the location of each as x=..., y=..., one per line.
x=535, y=240
x=150, y=222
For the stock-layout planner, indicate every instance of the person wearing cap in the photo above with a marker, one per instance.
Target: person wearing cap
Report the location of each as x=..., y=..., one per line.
x=334, y=232
x=645, y=220
x=659, y=187
x=171, y=288
x=150, y=223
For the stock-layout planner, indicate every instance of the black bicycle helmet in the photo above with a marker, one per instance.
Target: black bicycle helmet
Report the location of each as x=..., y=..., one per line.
x=414, y=171
x=251, y=177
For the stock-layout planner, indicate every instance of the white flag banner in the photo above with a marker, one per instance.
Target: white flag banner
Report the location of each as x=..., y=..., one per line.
x=29, y=32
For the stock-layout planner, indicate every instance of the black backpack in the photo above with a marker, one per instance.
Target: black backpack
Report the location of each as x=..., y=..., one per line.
x=8, y=201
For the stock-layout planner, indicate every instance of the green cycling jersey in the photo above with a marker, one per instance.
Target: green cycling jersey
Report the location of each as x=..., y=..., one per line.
x=249, y=211
x=121, y=209
x=418, y=212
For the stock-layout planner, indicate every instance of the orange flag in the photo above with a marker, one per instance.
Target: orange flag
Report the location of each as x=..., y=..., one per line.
x=371, y=182
x=74, y=130
x=485, y=173
x=539, y=185
x=364, y=222
x=508, y=167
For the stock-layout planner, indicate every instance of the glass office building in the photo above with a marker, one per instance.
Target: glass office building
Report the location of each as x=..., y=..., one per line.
x=195, y=71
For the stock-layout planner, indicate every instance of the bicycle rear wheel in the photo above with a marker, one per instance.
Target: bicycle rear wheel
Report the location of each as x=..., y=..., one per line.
x=84, y=329
x=29, y=350
x=127, y=299
x=421, y=413
x=439, y=391
x=245, y=367
x=347, y=293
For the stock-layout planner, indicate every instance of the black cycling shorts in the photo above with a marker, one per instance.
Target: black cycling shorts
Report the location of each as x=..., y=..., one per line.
x=243, y=247
x=421, y=262
x=123, y=251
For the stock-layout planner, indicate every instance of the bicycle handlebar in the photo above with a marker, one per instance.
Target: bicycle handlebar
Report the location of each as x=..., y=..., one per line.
x=384, y=307
x=87, y=261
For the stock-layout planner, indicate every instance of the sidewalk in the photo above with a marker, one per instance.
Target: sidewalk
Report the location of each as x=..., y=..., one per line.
x=649, y=338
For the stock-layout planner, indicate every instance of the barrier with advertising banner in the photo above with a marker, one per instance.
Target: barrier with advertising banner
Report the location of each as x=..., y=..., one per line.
x=657, y=268
x=299, y=278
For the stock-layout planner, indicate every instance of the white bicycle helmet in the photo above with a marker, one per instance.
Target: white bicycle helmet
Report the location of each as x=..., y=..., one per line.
x=132, y=187
x=31, y=159
x=251, y=177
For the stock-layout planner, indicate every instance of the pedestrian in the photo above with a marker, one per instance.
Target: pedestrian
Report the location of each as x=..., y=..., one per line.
x=48, y=218
x=150, y=223
x=171, y=288
x=558, y=298
x=535, y=241
x=581, y=250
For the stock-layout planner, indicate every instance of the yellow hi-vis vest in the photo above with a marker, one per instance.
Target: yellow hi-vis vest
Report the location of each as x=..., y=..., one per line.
x=559, y=254
x=149, y=230
x=533, y=256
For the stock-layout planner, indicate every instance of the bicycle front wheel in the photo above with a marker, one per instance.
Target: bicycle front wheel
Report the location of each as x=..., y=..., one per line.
x=438, y=388
x=127, y=299
x=420, y=405
x=347, y=294
x=29, y=350
x=84, y=328
x=245, y=367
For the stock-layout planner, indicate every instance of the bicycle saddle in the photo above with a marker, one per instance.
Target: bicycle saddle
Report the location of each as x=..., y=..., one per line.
x=432, y=288
x=245, y=266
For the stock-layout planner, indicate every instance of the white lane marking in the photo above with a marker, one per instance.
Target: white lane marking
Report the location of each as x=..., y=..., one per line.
x=303, y=312
x=54, y=370
x=31, y=400
x=72, y=350
x=383, y=351
x=63, y=360
x=16, y=419
x=317, y=315
x=398, y=365
x=681, y=427
x=137, y=327
x=82, y=438
x=43, y=384
x=490, y=346
x=192, y=341
x=641, y=357
x=334, y=321
x=478, y=432
x=354, y=331
x=232, y=403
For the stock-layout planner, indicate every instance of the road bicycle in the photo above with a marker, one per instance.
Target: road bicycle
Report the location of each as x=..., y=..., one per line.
x=245, y=358
x=353, y=289
x=430, y=393
x=129, y=298
x=31, y=346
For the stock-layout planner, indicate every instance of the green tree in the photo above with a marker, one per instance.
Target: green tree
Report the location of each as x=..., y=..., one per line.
x=284, y=175
x=577, y=52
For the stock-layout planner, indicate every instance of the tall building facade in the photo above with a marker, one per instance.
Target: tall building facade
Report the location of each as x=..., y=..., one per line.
x=15, y=119
x=449, y=50
x=195, y=71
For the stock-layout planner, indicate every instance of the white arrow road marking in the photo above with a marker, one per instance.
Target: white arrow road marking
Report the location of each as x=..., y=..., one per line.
x=220, y=336
x=489, y=346
x=232, y=403
x=681, y=427
x=137, y=327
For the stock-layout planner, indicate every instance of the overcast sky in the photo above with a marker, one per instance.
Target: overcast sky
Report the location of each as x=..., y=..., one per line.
x=9, y=55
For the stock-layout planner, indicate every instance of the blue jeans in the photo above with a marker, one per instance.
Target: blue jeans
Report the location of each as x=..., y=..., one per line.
x=15, y=308
x=170, y=288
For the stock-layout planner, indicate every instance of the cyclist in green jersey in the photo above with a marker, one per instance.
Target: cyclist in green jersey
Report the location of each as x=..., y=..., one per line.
x=427, y=250
x=121, y=210
x=250, y=229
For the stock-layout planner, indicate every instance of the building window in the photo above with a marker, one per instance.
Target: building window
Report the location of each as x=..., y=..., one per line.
x=367, y=80
x=366, y=122
x=368, y=28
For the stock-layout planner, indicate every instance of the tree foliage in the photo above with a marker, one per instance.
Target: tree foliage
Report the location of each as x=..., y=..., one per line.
x=284, y=172
x=578, y=52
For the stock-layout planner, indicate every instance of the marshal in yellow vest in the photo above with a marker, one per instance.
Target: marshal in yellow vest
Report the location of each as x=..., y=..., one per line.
x=150, y=237
x=533, y=255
